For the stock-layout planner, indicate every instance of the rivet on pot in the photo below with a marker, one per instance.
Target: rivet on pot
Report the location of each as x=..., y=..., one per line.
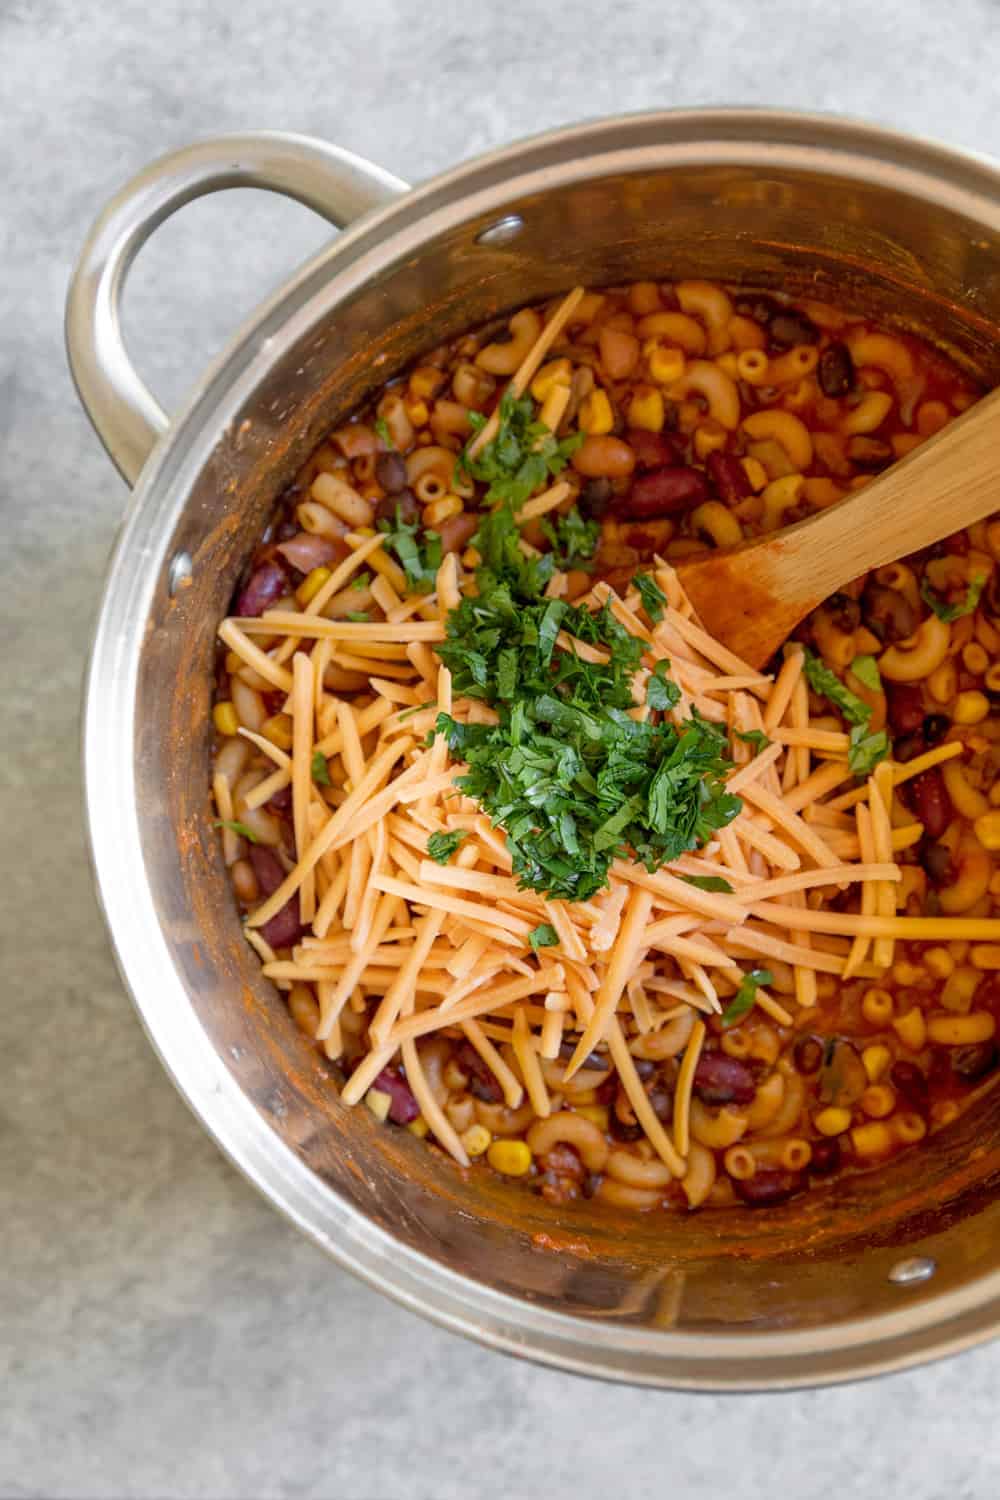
x=178, y=572
x=912, y=1271
x=502, y=232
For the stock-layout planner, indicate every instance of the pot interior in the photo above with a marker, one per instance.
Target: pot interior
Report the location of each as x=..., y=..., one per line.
x=877, y=245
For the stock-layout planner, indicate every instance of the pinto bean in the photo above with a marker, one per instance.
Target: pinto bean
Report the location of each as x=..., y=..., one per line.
x=835, y=371
x=663, y=492
x=390, y=471
x=769, y=1185
x=721, y=1079
x=601, y=456
x=456, y=533
x=265, y=585
x=930, y=803
x=728, y=477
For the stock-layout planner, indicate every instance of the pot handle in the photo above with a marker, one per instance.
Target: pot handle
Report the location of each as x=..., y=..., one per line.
x=337, y=184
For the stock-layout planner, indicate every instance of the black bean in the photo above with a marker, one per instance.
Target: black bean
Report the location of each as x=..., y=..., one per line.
x=836, y=370
x=721, y=1079
x=790, y=328
x=390, y=471
x=808, y=1055
x=908, y=1080
x=825, y=1157
x=595, y=497
x=769, y=1185
x=935, y=727
x=974, y=1061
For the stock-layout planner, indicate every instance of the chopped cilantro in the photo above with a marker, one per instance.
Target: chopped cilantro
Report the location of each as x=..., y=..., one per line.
x=653, y=597
x=419, y=553
x=571, y=777
x=320, y=769
x=572, y=539
x=661, y=691
x=709, y=883
x=359, y=616
x=441, y=846
x=522, y=455
x=407, y=713
x=743, y=1001
x=543, y=936
x=382, y=431
x=240, y=828
x=755, y=737
x=865, y=669
x=865, y=750
x=964, y=606
x=361, y=581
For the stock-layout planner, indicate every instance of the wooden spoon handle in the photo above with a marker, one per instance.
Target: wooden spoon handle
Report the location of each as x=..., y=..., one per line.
x=947, y=483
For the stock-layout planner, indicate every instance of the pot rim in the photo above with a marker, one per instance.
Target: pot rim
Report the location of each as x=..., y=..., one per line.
x=938, y=1324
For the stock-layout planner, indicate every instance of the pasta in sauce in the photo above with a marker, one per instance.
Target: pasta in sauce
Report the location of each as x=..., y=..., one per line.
x=685, y=934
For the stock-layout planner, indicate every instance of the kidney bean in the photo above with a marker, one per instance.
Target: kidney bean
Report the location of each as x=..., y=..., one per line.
x=844, y=610
x=653, y=450
x=482, y=1083
x=808, y=1055
x=662, y=1102
x=908, y=746
x=285, y=927
x=825, y=1158
x=935, y=727
x=390, y=471
x=401, y=503
x=769, y=1185
x=595, y=498
x=663, y=492
x=930, y=803
x=281, y=802
x=306, y=551
x=457, y=532
x=403, y=1107
x=908, y=1080
x=645, y=1068
x=835, y=371
x=266, y=584
x=267, y=867
x=936, y=860
x=905, y=707
x=888, y=613
x=974, y=1061
x=721, y=1079
x=789, y=328
x=728, y=477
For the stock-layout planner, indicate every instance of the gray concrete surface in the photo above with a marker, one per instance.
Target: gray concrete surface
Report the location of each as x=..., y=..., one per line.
x=162, y=1332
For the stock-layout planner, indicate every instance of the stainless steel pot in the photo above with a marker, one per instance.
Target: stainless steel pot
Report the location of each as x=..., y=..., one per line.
x=869, y=1276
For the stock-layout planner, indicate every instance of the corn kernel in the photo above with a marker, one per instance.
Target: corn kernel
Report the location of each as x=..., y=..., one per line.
x=512, y=1158
x=911, y=1029
x=597, y=1114
x=556, y=372
x=974, y=658
x=553, y=408
x=987, y=830
x=832, y=1121
x=419, y=1127
x=476, y=1140
x=876, y=1060
x=417, y=412
x=646, y=409
x=871, y=1140
x=756, y=473
x=224, y=718
x=379, y=1104
x=311, y=585
x=970, y=708
x=876, y=1007
x=665, y=365
x=596, y=416
x=278, y=729
x=709, y=438
x=960, y=1031
x=939, y=962
x=878, y=1101
x=439, y=510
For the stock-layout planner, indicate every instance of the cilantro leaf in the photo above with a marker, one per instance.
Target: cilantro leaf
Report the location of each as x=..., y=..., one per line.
x=320, y=769
x=573, y=541
x=709, y=883
x=865, y=669
x=240, y=828
x=743, y=1001
x=359, y=616
x=522, y=455
x=653, y=597
x=418, y=552
x=382, y=431
x=866, y=750
x=361, y=581
x=441, y=846
x=755, y=737
x=661, y=691
x=964, y=606
x=543, y=936
x=825, y=681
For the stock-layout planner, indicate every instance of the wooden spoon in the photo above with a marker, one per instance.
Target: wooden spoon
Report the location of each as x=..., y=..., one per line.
x=751, y=597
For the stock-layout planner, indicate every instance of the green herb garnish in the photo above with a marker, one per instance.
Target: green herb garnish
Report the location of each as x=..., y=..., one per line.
x=755, y=737
x=359, y=616
x=240, y=828
x=441, y=846
x=572, y=539
x=653, y=597
x=522, y=455
x=964, y=606
x=573, y=780
x=709, y=883
x=407, y=713
x=662, y=691
x=418, y=551
x=543, y=936
x=865, y=669
x=361, y=581
x=743, y=1001
x=320, y=769
x=382, y=431
x=865, y=750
